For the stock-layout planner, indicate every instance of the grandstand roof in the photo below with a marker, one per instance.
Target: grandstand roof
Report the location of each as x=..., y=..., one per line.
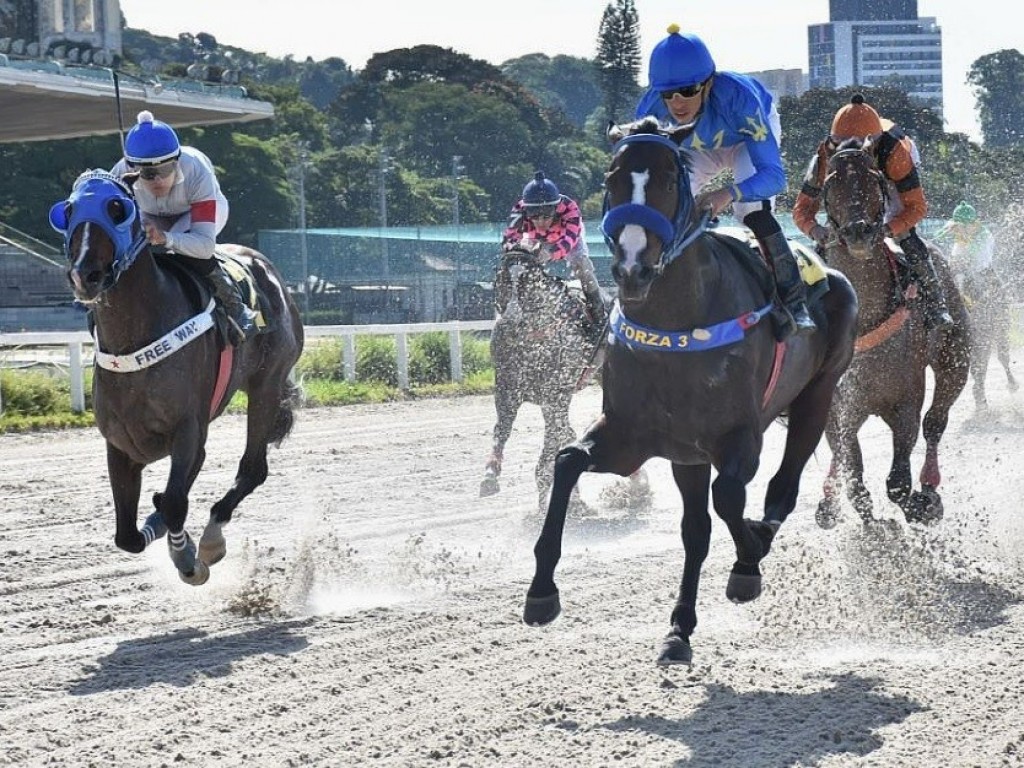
x=44, y=100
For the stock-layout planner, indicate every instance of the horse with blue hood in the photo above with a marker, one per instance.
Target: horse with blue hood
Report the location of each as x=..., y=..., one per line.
x=163, y=372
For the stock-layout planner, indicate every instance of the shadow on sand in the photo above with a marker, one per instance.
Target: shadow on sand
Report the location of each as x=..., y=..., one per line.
x=181, y=657
x=773, y=729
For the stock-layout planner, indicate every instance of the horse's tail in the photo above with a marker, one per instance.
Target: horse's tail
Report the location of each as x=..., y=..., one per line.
x=284, y=419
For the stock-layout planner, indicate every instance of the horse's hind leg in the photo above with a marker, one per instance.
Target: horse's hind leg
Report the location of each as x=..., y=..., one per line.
x=693, y=483
x=506, y=404
x=737, y=457
x=980, y=353
x=1003, y=352
x=268, y=420
x=187, y=457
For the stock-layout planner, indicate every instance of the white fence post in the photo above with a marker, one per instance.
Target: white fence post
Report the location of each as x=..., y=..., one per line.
x=350, y=357
x=77, y=377
x=455, y=347
x=402, y=342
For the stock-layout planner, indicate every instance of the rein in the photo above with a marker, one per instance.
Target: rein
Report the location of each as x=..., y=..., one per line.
x=676, y=234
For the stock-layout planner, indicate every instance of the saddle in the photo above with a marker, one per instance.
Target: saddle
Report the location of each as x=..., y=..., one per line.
x=750, y=257
x=201, y=291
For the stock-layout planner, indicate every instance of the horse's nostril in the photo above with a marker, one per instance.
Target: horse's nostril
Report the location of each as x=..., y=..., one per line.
x=644, y=274
x=93, y=277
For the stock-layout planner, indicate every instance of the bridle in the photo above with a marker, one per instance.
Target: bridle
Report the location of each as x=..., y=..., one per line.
x=853, y=154
x=675, y=234
x=94, y=199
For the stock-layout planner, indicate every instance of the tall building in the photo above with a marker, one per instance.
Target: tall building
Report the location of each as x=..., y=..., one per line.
x=874, y=43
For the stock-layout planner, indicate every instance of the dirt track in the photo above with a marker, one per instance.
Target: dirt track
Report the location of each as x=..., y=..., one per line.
x=368, y=612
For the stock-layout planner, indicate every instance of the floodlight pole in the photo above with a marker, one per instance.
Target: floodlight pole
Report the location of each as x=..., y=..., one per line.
x=303, y=249
x=457, y=168
x=382, y=190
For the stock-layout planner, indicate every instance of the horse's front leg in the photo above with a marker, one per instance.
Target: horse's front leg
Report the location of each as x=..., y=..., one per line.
x=557, y=434
x=506, y=403
x=589, y=454
x=187, y=457
x=903, y=421
x=126, y=485
x=693, y=483
x=737, y=458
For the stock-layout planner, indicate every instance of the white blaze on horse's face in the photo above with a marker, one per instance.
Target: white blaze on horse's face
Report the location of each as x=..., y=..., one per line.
x=76, y=260
x=633, y=237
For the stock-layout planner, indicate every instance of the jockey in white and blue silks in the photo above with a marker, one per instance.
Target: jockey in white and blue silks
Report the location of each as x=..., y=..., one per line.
x=182, y=207
x=735, y=126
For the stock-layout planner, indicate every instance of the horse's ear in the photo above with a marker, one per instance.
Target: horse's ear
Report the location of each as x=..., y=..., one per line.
x=615, y=132
x=130, y=178
x=60, y=215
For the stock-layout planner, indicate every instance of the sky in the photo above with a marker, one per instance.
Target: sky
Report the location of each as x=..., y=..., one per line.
x=742, y=36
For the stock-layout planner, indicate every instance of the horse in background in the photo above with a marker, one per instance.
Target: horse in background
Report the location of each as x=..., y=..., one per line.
x=987, y=300
x=694, y=374
x=887, y=377
x=164, y=371
x=543, y=346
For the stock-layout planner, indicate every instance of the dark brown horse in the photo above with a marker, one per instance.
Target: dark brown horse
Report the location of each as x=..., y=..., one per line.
x=163, y=373
x=542, y=346
x=695, y=375
x=894, y=349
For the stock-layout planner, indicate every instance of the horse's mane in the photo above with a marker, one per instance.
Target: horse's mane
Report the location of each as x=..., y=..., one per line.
x=651, y=125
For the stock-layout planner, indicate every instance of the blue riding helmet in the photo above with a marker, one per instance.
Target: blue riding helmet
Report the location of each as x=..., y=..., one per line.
x=150, y=141
x=679, y=60
x=540, y=191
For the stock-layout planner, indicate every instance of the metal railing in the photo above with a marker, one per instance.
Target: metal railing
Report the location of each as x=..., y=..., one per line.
x=76, y=343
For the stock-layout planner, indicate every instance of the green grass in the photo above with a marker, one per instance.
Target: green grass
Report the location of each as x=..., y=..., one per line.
x=35, y=400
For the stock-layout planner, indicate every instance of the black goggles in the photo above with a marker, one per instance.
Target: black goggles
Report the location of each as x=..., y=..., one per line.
x=686, y=91
x=162, y=171
x=541, y=211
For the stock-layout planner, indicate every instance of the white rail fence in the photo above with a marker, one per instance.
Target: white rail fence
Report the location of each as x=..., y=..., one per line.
x=77, y=342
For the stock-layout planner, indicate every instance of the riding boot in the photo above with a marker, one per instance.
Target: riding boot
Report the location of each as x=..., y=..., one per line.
x=790, y=286
x=241, y=319
x=936, y=314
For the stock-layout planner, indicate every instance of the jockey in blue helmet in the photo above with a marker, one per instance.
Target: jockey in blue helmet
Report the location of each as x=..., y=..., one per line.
x=182, y=206
x=551, y=220
x=735, y=126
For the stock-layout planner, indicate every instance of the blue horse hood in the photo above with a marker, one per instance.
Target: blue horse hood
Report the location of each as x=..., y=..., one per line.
x=89, y=201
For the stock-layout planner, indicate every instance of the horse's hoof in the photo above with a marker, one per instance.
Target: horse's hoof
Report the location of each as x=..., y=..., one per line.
x=675, y=650
x=154, y=528
x=827, y=514
x=540, y=611
x=743, y=587
x=213, y=548
x=199, y=575
x=924, y=506
x=489, y=486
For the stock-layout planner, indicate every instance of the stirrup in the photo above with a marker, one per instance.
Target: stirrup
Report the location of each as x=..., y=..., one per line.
x=802, y=319
x=939, y=318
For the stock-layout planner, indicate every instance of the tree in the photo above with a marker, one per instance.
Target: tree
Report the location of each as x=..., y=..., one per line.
x=998, y=81
x=618, y=58
x=565, y=83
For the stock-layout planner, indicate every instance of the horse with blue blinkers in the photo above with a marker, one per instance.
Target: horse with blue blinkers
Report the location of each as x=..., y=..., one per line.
x=163, y=373
x=694, y=374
